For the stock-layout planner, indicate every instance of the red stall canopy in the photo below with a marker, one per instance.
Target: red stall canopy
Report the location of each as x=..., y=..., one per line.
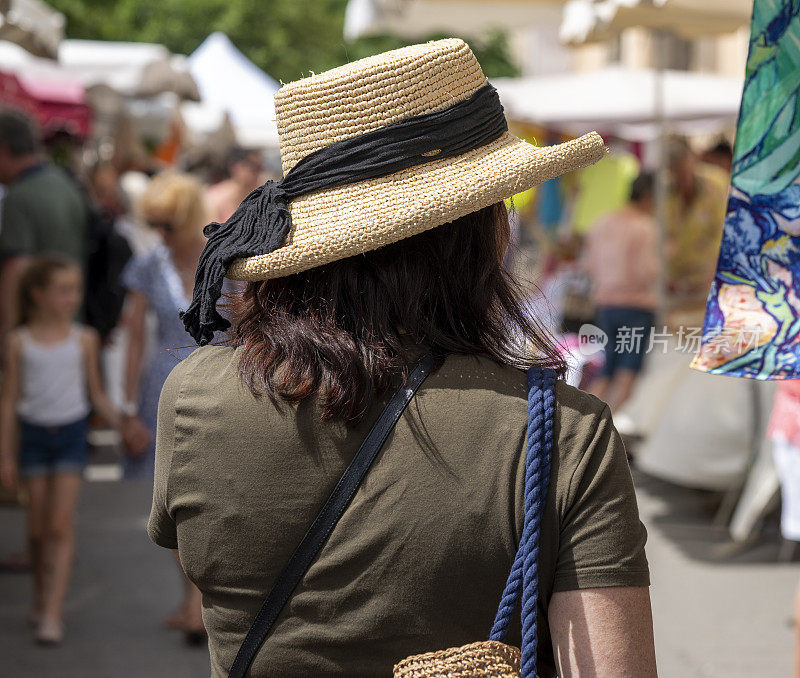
x=58, y=106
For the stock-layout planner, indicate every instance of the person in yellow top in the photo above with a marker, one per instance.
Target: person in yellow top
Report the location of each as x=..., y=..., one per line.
x=695, y=215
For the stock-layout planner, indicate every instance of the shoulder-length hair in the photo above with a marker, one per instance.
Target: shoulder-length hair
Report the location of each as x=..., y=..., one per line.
x=345, y=332
x=175, y=199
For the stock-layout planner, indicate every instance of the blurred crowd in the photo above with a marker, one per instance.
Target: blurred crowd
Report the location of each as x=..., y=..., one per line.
x=609, y=275
x=95, y=270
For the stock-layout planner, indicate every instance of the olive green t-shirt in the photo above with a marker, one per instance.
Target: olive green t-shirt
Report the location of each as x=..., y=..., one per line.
x=44, y=211
x=419, y=559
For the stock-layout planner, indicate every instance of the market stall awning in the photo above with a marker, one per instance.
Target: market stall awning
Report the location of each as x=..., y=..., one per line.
x=229, y=81
x=417, y=19
x=621, y=101
x=57, y=105
x=130, y=69
x=588, y=21
x=33, y=25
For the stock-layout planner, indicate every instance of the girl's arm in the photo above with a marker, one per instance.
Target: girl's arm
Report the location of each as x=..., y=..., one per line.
x=9, y=395
x=97, y=394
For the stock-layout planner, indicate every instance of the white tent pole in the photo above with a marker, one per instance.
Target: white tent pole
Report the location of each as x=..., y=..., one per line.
x=661, y=188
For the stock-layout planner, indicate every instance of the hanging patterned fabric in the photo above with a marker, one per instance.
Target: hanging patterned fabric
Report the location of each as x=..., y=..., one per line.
x=752, y=323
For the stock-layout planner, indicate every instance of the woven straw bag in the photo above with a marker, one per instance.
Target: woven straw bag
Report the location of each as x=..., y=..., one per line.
x=492, y=658
x=485, y=658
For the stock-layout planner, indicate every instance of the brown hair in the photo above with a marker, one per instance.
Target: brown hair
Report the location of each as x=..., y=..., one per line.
x=346, y=331
x=36, y=276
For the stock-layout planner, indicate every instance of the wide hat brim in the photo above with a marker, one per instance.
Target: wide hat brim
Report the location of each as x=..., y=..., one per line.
x=337, y=223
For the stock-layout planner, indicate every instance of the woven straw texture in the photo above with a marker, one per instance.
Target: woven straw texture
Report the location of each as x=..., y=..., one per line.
x=362, y=96
x=487, y=659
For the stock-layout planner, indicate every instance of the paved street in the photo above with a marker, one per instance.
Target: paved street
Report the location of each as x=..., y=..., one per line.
x=123, y=587
x=713, y=618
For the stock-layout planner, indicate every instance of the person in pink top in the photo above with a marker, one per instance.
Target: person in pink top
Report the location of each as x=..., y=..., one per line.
x=245, y=172
x=620, y=257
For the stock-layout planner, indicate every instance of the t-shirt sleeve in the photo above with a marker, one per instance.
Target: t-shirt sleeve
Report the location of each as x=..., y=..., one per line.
x=601, y=537
x=18, y=234
x=161, y=526
x=136, y=274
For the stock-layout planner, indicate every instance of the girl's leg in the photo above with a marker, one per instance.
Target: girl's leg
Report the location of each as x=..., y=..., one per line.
x=38, y=487
x=193, y=618
x=61, y=540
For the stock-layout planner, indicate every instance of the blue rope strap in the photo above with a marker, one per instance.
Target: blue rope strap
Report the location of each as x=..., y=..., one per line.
x=524, y=575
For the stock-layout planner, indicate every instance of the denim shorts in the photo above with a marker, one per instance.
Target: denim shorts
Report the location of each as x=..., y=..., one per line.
x=628, y=331
x=44, y=450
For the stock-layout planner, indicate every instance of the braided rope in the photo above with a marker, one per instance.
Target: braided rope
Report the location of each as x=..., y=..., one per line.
x=524, y=575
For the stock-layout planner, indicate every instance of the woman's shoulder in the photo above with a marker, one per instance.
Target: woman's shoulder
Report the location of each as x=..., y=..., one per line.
x=150, y=257
x=205, y=359
x=143, y=267
x=205, y=367
x=463, y=371
x=502, y=391
x=574, y=405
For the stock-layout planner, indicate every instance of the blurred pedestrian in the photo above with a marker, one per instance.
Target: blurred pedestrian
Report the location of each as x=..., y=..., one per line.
x=108, y=251
x=245, y=169
x=696, y=205
x=387, y=257
x=621, y=258
x=159, y=283
x=51, y=381
x=43, y=209
x=720, y=154
x=784, y=433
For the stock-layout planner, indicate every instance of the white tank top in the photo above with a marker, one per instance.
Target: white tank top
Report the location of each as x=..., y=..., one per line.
x=53, y=381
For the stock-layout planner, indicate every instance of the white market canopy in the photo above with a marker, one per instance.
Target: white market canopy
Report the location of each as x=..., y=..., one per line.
x=130, y=68
x=417, y=19
x=32, y=25
x=229, y=81
x=127, y=68
x=598, y=20
x=622, y=101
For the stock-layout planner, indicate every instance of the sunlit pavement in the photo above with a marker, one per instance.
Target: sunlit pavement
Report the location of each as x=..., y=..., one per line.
x=717, y=613
x=122, y=589
x=714, y=617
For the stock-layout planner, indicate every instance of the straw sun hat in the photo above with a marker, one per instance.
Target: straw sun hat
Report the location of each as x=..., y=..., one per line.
x=373, y=152
x=365, y=95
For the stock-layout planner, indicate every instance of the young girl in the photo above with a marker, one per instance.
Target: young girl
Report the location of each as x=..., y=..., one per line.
x=51, y=382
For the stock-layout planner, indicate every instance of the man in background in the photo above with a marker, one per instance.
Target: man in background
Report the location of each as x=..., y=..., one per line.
x=43, y=209
x=696, y=206
x=620, y=257
x=720, y=154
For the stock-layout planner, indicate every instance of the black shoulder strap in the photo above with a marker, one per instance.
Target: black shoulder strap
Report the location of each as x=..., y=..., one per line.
x=327, y=518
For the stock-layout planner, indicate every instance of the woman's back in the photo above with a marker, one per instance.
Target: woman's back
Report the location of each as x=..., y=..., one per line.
x=419, y=559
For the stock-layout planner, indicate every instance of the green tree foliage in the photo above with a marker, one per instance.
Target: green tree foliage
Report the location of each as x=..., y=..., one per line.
x=286, y=38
